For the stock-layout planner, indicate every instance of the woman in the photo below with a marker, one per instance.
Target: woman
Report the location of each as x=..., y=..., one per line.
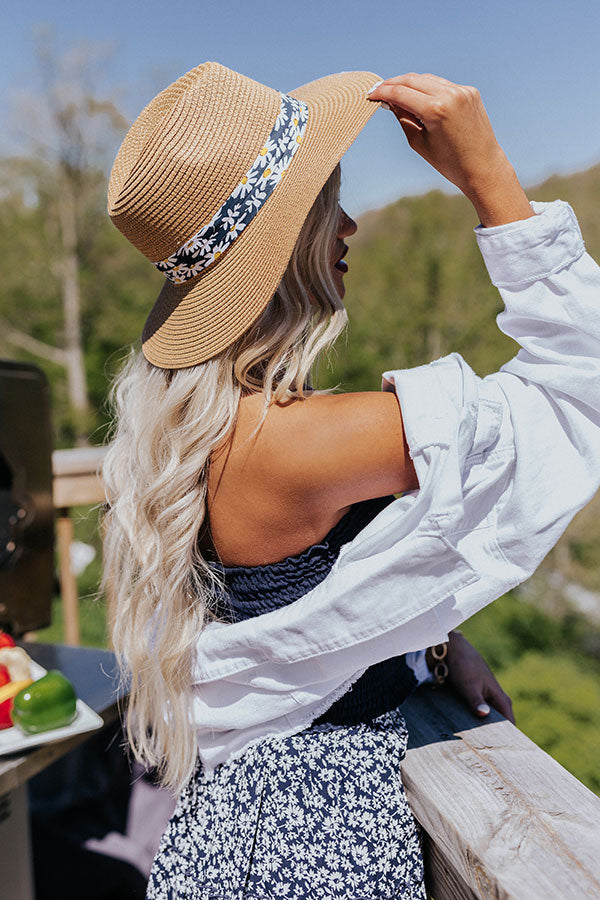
x=264, y=581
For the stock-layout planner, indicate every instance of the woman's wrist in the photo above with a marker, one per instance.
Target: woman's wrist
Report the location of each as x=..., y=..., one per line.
x=432, y=654
x=436, y=659
x=498, y=197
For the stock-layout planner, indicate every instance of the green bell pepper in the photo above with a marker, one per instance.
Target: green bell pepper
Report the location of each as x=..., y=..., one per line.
x=47, y=703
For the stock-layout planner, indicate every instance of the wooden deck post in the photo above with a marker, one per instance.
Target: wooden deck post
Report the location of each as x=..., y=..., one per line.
x=68, y=582
x=76, y=482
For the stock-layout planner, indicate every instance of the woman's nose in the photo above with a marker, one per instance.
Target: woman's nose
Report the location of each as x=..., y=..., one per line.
x=346, y=225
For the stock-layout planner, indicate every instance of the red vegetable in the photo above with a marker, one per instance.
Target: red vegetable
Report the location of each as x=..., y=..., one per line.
x=6, y=640
x=6, y=707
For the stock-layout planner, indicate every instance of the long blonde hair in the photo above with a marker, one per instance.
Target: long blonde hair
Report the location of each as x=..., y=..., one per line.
x=166, y=422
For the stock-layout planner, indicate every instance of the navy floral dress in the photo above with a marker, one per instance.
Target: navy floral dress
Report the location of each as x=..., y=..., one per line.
x=318, y=815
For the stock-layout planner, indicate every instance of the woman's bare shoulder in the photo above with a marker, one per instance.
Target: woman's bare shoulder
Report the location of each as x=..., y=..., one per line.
x=336, y=448
x=279, y=489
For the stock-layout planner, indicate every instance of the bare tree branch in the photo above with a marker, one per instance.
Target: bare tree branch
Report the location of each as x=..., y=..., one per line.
x=73, y=129
x=32, y=345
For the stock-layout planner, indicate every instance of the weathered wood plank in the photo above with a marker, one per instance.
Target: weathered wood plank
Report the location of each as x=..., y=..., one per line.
x=77, y=490
x=508, y=820
x=77, y=460
x=442, y=879
x=77, y=476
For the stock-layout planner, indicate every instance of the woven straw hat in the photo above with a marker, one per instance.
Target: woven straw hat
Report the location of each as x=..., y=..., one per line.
x=180, y=170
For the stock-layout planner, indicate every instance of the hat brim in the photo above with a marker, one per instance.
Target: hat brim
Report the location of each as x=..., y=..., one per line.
x=191, y=322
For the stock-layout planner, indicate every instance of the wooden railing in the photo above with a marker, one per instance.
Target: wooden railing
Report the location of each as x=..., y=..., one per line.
x=501, y=819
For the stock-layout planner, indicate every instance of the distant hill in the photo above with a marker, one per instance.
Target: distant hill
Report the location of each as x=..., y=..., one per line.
x=582, y=191
x=417, y=289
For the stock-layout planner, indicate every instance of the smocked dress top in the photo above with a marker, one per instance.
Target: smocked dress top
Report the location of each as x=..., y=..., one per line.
x=320, y=814
x=255, y=590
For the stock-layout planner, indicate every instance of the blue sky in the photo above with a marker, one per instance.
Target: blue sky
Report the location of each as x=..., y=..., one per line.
x=537, y=65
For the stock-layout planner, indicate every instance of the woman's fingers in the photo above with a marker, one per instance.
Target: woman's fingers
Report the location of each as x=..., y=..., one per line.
x=500, y=701
x=473, y=694
x=406, y=118
x=448, y=103
x=425, y=82
x=473, y=680
x=481, y=694
x=413, y=101
x=448, y=126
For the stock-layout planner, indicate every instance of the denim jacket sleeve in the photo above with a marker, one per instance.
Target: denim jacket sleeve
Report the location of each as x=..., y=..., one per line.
x=503, y=462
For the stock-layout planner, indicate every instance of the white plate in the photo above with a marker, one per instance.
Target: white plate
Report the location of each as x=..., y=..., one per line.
x=13, y=740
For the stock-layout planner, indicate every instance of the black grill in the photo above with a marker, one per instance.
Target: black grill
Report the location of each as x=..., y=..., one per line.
x=26, y=508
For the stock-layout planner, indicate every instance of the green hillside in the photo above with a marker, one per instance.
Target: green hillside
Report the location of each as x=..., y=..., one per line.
x=417, y=289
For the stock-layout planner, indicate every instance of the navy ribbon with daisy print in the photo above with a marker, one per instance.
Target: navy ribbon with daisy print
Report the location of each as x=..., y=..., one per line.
x=259, y=182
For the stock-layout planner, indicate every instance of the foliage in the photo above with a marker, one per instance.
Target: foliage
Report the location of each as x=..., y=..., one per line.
x=117, y=285
x=57, y=186
x=512, y=626
x=417, y=289
x=556, y=701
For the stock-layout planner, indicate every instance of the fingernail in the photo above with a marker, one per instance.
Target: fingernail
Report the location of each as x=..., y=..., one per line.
x=386, y=106
x=483, y=708
x=375, y=86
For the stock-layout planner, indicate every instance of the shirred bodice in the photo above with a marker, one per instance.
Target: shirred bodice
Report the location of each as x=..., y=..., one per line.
x=255, y=590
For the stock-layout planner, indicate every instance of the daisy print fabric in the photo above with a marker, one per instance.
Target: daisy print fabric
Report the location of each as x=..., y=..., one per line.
x=319, y=815
x=253, y=189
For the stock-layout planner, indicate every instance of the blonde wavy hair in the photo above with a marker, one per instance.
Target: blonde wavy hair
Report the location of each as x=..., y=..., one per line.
x=165, y=425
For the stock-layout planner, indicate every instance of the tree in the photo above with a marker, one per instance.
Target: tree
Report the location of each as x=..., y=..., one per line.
x=69, y=131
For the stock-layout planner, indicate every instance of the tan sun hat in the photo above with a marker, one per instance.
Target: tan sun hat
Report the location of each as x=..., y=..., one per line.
x=213, y=183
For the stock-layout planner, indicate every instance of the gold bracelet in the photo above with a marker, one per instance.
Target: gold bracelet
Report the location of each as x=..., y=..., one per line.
x=440, y=670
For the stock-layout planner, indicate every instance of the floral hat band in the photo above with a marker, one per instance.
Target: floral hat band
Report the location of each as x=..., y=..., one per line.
x=190, y=148
x=251, y=193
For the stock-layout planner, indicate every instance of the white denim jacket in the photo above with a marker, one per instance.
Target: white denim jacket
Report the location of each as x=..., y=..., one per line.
x=503, y=462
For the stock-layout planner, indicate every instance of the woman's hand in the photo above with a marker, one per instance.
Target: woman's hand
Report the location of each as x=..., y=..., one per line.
x=448, y=126
x=472, y=679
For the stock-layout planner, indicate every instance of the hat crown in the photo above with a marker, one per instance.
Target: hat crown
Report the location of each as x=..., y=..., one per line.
x=184, y=155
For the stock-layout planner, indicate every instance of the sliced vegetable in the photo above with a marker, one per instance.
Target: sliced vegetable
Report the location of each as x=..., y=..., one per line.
x=5, y=708
x=47, y=703
x=6, y=640
x=17, y=662
x=10, y=690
